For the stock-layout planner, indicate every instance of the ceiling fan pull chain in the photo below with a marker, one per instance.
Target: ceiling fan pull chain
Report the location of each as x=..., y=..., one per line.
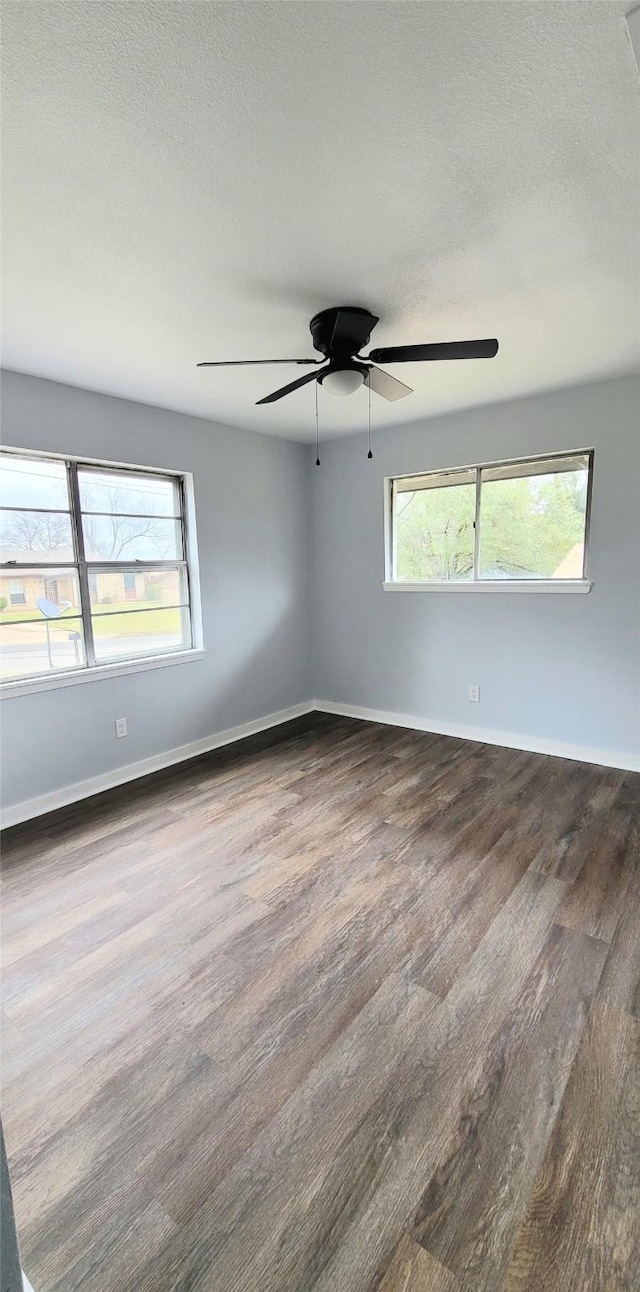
x=317, y=448
x=369, y=454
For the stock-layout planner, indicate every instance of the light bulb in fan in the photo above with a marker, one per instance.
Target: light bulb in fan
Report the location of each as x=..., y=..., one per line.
x=342, y=381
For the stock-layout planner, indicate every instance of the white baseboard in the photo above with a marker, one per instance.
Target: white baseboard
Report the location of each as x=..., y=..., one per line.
x=485, y=736
x=35, y=807
x=133, y=771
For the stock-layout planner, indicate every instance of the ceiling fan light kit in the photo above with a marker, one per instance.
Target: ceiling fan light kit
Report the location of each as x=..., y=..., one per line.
x=339, y=334
x=342, y=381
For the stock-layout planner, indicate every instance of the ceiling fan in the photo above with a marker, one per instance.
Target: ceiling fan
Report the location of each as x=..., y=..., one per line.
x=339, y=334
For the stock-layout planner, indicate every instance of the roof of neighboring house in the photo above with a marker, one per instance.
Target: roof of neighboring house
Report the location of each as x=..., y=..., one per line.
x=572, y=565
x=27, y=556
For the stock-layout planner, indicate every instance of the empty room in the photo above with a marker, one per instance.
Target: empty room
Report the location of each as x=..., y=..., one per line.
x=320, y=646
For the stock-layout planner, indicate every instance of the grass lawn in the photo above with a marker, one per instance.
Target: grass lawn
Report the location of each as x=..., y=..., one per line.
x=117, y=622
x=163, y=620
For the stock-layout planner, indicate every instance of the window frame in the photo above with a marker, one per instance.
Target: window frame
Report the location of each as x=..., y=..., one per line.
x=391, y=583
x=186, y=563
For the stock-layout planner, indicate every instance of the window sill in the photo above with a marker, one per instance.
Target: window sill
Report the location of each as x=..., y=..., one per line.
x=495, y=585
x=101, y=673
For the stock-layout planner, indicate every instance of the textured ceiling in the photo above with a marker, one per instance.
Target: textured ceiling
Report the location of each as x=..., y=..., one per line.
x=188, y=181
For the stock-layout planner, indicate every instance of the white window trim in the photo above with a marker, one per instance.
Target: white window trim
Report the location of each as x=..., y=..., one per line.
x=493, y=585
x=389, y=584
x=100, y=673
x=143, y=664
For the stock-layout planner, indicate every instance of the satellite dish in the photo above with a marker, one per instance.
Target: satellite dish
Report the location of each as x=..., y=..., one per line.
x=49, y=608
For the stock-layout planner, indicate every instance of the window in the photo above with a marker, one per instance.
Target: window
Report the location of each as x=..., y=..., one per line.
x=506, y=523
x=93, y=566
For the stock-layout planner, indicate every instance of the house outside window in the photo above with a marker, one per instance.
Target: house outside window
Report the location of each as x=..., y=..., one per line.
x=94, y=565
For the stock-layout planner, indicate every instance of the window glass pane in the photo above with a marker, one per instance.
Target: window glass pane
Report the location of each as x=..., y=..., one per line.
x=130, y=520
x=113, y=590
x=125, y=493
x=140, y=632
x=533, y=526
x=30, y=482
x=434, y=534
x=32, y=648
x=131, y=538
x=35, y=536
x=38, y=594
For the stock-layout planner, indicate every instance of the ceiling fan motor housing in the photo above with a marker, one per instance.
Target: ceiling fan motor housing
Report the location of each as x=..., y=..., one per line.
x=340, y=332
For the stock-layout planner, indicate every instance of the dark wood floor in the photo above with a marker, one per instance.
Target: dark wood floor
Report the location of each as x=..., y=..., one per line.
x=343, y=1008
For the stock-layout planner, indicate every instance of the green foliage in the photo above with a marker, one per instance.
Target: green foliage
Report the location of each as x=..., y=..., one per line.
x=527, y=528
x=153, y=592
x=434, y=533
x=3, y=603
x=530, y=525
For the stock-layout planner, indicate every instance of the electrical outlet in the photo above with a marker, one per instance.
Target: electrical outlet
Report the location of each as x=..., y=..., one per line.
x=121, y=728
x=474, y=693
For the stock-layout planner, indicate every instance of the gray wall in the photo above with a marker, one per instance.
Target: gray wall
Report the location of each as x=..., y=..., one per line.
x=551, y=667
x=252, y=525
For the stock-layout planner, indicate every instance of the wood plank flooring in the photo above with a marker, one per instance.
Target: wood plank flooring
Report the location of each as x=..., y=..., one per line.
x=342, y=1008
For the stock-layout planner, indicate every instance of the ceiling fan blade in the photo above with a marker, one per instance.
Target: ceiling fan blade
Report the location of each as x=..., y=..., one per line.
x=236, y=363
x=351, y=330
x=441, y=350
x=293, y=385
x=384, y=384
